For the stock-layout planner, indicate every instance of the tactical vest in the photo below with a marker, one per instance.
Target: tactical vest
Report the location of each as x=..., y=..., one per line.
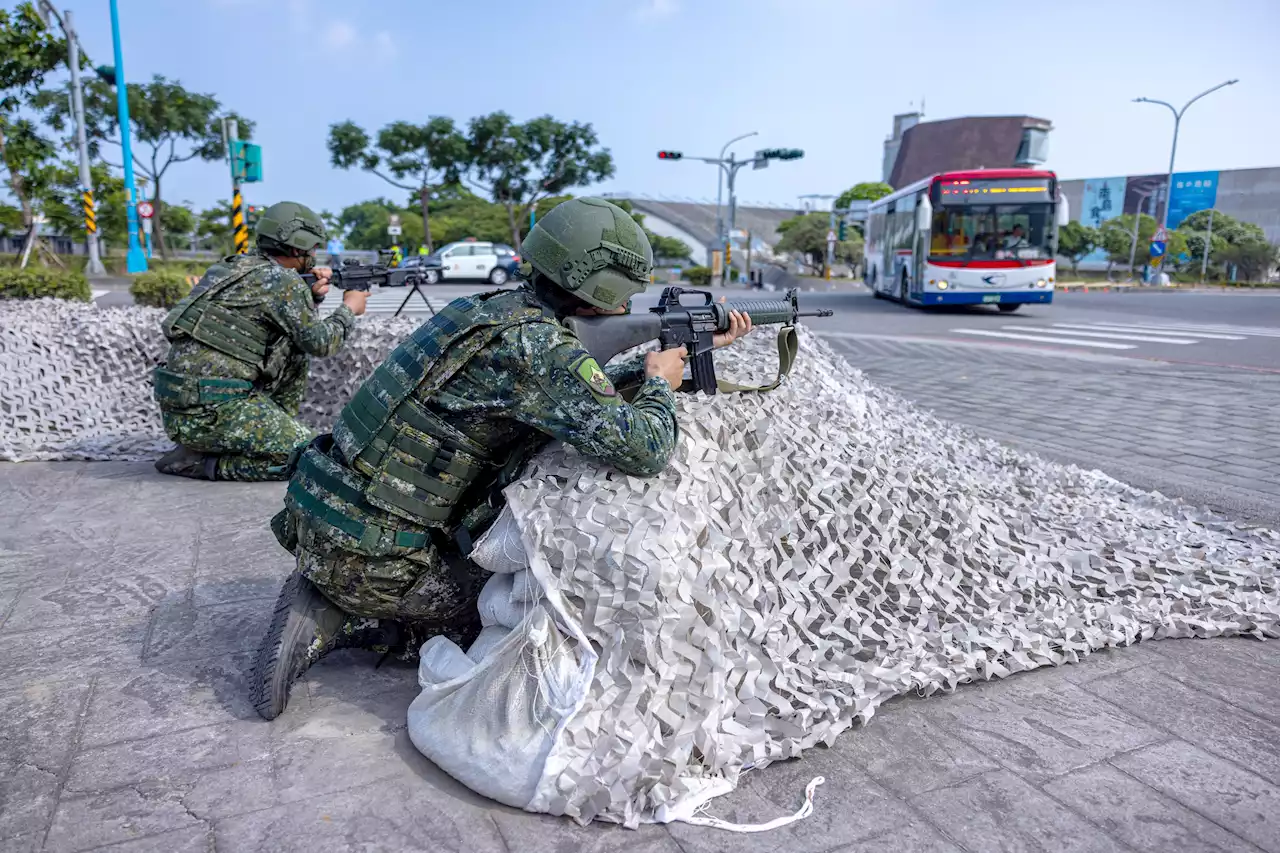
x=399, y=457
x=201, y=318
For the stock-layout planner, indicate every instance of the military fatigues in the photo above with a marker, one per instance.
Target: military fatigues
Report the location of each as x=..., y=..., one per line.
x=233, y=381
x=378, y=513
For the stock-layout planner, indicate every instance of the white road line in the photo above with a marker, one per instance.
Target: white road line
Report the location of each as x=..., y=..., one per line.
x=1116, y=335
x=95, y=293
x=1146, y=330
x=1042, y=339
x=1250, y=331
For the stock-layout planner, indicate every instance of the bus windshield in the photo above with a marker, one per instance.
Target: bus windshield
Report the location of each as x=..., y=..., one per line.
x=991, y=232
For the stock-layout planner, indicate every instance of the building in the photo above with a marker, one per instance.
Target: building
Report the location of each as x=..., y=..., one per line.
x=918, y=149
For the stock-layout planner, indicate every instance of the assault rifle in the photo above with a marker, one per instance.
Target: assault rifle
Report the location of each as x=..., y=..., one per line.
x=674, y=324
x=357, y=276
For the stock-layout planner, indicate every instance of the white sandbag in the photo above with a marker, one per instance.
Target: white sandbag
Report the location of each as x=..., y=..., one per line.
x=490, y=638
x=506, y=599
x=500, y=548
x=441, y=661
x=492, y=727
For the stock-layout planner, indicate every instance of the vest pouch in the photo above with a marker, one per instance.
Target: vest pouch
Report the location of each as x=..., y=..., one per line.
x=421, y=478
x=175, y=389
x=327, y=505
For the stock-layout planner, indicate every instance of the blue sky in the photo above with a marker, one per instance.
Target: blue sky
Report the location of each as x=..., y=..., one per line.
x=822, y=75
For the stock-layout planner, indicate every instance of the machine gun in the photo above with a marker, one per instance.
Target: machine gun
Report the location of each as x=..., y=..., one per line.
x=357, y=276
x=674, y=324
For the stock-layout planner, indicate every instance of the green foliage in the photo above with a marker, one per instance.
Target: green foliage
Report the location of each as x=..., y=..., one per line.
x=213, y=229
x=37, y=282
x=518, y=165
x=697, y=276
x=668, y=248
x=1117, y=240
x=1224, y=225
x=160, y=288
x=806, y=237
x=178, y=219
x=1253, y=258
x=1075, y=241
x=10, y=220
x=865, y=191
x=28, y=51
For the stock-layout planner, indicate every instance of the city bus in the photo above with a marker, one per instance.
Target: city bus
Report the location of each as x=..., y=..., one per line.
x=986, y=236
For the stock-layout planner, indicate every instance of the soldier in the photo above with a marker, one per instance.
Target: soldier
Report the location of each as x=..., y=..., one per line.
x=232, y=384
x=381, y=514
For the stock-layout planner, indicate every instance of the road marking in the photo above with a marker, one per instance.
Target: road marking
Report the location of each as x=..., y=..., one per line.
x=960, y=343
x=1117, y=335
x=1147, y=330
x=1251, y=331
x=1043, y=339
x=95, y=293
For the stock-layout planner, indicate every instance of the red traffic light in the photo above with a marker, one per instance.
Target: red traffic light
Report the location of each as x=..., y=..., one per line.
x=669, y=155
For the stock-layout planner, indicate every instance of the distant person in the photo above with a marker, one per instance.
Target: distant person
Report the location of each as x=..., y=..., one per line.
x=335, y=248
x=422, y=251
x=397, y=256
x=1015, y=240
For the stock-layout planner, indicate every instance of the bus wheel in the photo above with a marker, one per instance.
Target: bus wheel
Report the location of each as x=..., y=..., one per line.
x=1008, y=307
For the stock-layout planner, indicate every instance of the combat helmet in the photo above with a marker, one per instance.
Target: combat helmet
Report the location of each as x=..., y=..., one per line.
x=592, y=249
x=292, y=225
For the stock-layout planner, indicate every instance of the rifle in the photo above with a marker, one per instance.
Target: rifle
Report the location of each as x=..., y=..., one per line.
x=357, y=276
x=674, y=324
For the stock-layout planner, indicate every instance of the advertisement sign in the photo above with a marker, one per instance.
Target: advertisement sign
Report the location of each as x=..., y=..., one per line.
x=1192, y=192
x=1103, y=200
x=1147, y=192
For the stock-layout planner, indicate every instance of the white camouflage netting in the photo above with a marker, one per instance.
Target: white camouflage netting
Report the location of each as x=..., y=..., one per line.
x=75, y=379
x=809, y=553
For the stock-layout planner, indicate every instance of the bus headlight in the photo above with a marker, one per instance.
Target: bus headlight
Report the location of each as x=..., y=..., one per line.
x=943, y=284
x=1040, y=283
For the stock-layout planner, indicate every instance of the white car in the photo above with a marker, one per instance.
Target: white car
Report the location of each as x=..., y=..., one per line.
x=469, y=260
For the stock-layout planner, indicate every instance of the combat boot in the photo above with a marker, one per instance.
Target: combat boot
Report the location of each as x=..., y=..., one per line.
x=304, y=628
x=182, y=462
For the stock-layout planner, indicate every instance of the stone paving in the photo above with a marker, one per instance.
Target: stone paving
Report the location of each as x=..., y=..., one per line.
x=1207, y=434
x=130, y=603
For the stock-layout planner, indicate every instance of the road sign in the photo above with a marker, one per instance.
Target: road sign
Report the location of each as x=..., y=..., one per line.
x=145, y=209
x=146, y=224
x=1161, y=236
x=762, y=162
x=831, y=236
x=1157, y=248
x=394, y=230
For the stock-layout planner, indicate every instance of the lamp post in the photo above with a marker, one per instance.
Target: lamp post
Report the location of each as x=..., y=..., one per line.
x=720, y=183
x=136, y=259
x=1177, y=121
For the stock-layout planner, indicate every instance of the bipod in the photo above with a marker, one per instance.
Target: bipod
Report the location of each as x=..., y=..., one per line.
x=414, y=280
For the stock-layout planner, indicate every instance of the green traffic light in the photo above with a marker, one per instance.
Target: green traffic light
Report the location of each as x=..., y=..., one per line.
x=107, y=73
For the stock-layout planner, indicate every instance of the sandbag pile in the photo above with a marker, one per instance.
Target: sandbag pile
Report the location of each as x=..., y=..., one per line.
x=808, y=554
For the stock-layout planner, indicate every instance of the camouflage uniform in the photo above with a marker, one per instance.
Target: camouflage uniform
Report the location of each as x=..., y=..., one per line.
x=531, y=382
x=233, y=381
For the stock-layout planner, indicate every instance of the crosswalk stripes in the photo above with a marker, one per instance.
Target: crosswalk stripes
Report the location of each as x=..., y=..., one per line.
x=1120, y=336
x=385, y=300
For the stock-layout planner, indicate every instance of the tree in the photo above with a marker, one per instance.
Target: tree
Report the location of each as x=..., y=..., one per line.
x=517, y=165
x=1117, y=240
x=1252, y=257
x=415, y=157
x=179, y=219
x=213, y=229
x=29, y=51
x=865, y=191
x=1075, y=241
x=806, y=237
x=169, y=125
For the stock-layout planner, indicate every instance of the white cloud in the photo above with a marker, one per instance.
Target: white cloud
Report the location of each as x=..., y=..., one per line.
x=340, y=34
x=653, y=9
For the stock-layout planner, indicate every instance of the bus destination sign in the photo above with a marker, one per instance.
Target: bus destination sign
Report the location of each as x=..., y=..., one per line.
x=995, y=191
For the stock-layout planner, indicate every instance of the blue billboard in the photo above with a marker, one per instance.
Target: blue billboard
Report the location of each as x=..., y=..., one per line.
x=1103, y=200
x=1192, y=192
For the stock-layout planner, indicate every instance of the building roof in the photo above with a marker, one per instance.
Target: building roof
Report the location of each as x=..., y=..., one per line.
x=972, y=142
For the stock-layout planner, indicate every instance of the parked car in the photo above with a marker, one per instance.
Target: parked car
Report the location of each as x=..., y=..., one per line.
x=466, y=260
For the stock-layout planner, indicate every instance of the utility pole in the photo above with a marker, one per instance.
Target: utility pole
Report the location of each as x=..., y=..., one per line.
x=136, y=261
x=1137, y=221
x=720, y=235
x=729, y=170
x=1173, y=152
x=94, y=266
x=1208, y=242
x=239, y=231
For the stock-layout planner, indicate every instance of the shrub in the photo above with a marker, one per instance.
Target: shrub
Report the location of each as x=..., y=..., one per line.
x=163, y=289
x=698, y=276
x=37, y=282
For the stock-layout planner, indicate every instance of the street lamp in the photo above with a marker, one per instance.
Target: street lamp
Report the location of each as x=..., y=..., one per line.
x=720, y=182
x=1177, y=121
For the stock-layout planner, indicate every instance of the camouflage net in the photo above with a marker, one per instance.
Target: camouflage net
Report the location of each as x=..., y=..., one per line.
x=75, y=379
x=808, y=554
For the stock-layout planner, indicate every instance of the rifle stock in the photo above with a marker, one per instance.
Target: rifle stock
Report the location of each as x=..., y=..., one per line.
x=606, y=336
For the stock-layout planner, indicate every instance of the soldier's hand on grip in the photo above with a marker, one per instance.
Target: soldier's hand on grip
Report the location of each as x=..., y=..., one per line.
x=355, y=300
x=739, y=325
x=668, y=364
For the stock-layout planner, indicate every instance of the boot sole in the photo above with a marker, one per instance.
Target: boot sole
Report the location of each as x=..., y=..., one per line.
x=290, y=623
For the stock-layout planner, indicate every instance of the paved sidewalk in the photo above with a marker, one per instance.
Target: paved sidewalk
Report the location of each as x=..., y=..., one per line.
x=130, y=603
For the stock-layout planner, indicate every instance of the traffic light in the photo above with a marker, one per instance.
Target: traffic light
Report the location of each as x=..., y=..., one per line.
x=255, y=213
x=670, y=155
x=782, y=153
x=106, y=73
x=840, y=234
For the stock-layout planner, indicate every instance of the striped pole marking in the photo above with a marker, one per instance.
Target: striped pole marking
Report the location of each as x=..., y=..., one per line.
x=237, y=223
x=90, y=214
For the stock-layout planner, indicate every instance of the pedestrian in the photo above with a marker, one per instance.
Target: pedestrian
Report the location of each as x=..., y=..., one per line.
x=334, y=249
x=231, y=385
x=381, y=513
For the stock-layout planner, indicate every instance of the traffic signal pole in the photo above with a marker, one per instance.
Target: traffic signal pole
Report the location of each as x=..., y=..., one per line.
x=136, y=261
x=239, y=231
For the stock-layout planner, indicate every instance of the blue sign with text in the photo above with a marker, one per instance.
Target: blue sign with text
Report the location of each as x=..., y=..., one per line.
x=1192, y=192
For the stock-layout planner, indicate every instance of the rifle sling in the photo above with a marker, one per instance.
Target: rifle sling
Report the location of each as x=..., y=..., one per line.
x=788, y=346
